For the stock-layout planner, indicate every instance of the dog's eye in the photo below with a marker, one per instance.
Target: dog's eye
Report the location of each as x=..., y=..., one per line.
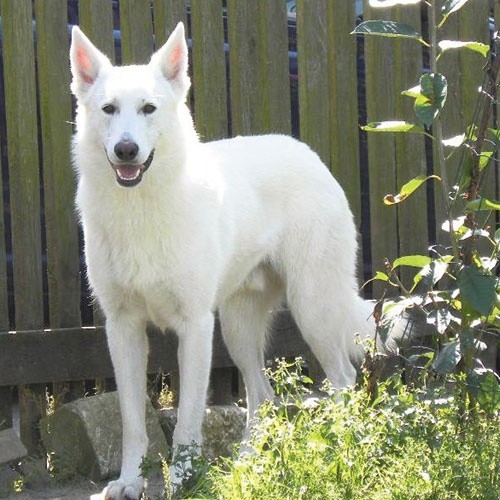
x=147, y=109
x=109, y=109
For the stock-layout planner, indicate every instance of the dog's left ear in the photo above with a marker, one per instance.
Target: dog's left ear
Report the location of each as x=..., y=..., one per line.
x=172, y=60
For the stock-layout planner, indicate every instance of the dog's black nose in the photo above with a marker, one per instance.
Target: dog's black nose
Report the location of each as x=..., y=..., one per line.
x=126, y=150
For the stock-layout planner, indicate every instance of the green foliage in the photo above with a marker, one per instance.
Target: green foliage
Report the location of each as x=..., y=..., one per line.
x=432, y=97
x=402, y=445
x=456, y=290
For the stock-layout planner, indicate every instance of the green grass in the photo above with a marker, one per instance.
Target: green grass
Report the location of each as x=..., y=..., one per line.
x=404, y=445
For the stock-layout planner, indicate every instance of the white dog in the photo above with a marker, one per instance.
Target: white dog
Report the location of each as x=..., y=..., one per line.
x=175, y=229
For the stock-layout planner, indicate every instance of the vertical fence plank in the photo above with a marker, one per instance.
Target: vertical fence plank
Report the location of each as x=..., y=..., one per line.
x=381, y=105
x=5, y=392
x=136, y=24
x=312, y=48
x=209, y=79
x=343, y=100
x=274, y=67
x=409, y=148
x=451, y=117
x=167, y=13
x=4, y=292
x=55, y=110
x=96, y=20
x=256, y=77
x=63, y=261
x=343, y=106
x=22, y=140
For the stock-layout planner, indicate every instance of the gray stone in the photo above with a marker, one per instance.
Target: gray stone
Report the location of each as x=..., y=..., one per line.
x=223, y=427
x=11, y=447
x=85, y=436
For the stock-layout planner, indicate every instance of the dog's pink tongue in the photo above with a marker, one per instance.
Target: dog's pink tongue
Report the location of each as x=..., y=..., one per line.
x=128, y=172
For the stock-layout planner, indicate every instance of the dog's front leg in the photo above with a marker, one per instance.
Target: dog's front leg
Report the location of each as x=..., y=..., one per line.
x=195, y=355
x=128, y=346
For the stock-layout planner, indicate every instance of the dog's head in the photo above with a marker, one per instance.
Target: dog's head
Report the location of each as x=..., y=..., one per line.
x=127, y=107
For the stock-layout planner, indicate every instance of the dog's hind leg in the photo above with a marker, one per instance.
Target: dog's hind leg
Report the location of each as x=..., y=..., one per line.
x=323, y=298
x=244, y=321
x=128, y=348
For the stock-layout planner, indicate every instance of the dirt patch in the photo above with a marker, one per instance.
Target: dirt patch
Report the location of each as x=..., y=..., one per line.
x=37, y=484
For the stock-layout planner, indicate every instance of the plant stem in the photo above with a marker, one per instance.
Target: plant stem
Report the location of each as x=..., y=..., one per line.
x=437, y=128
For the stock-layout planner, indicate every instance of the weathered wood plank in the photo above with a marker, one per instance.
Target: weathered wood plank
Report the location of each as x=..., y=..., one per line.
x=166, y=15
x=409, y=148
x=312, y=48
x=22, y=140
x=4, y=292
x=381, y=105
x=343, y=107
x=82, y=353
x=259, y=85
x=96, y=20
x=63, y=262
x=209, y=69
x=274, y=67
x=136, y=23
x=343, y=101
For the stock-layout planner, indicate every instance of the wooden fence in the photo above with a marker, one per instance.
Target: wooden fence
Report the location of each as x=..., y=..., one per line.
x=250, y=88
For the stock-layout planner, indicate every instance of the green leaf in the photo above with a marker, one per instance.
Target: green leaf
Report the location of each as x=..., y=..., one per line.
x=433, y=92
x=393, y=126
x=451, y=6
x=440, y=318
x=388, y=29
x=380, y=276
x=493, y=135
x=448, y=357
x=482, y=48
x=413, y=92
x=454, y=142
x=481, y=203
x=477, y=289
x=412, y=260
x=484, y=159
x=488, y=395
x=432, y=273
x=408, y=189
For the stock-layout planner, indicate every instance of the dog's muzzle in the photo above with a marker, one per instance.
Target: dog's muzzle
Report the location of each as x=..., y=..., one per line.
x=130, y=174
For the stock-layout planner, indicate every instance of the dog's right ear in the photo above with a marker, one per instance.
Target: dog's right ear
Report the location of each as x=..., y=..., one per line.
x=87, y=61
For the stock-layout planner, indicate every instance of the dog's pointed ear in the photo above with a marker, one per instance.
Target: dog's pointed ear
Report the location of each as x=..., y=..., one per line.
x=172, y=60
x=87, y=61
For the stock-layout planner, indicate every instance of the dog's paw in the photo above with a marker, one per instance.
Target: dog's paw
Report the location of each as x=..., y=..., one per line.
x=123, y=490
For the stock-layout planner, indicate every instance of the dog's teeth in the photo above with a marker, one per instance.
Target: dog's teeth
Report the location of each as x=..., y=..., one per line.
x=128, y=172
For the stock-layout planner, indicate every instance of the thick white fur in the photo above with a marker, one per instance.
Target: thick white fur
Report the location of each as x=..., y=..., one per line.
x=237, y=225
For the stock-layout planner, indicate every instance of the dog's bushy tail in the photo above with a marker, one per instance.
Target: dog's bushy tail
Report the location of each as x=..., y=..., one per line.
x=398, y=329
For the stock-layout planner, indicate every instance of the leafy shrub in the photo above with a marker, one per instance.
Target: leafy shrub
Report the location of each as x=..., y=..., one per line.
x=403, y=445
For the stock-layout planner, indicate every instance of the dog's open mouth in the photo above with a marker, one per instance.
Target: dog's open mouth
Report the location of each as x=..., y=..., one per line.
x=130, y=174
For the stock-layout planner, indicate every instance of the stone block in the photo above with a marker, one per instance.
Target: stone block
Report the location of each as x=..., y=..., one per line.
x=85, y=436
x=11, y=447
x=223, y=427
